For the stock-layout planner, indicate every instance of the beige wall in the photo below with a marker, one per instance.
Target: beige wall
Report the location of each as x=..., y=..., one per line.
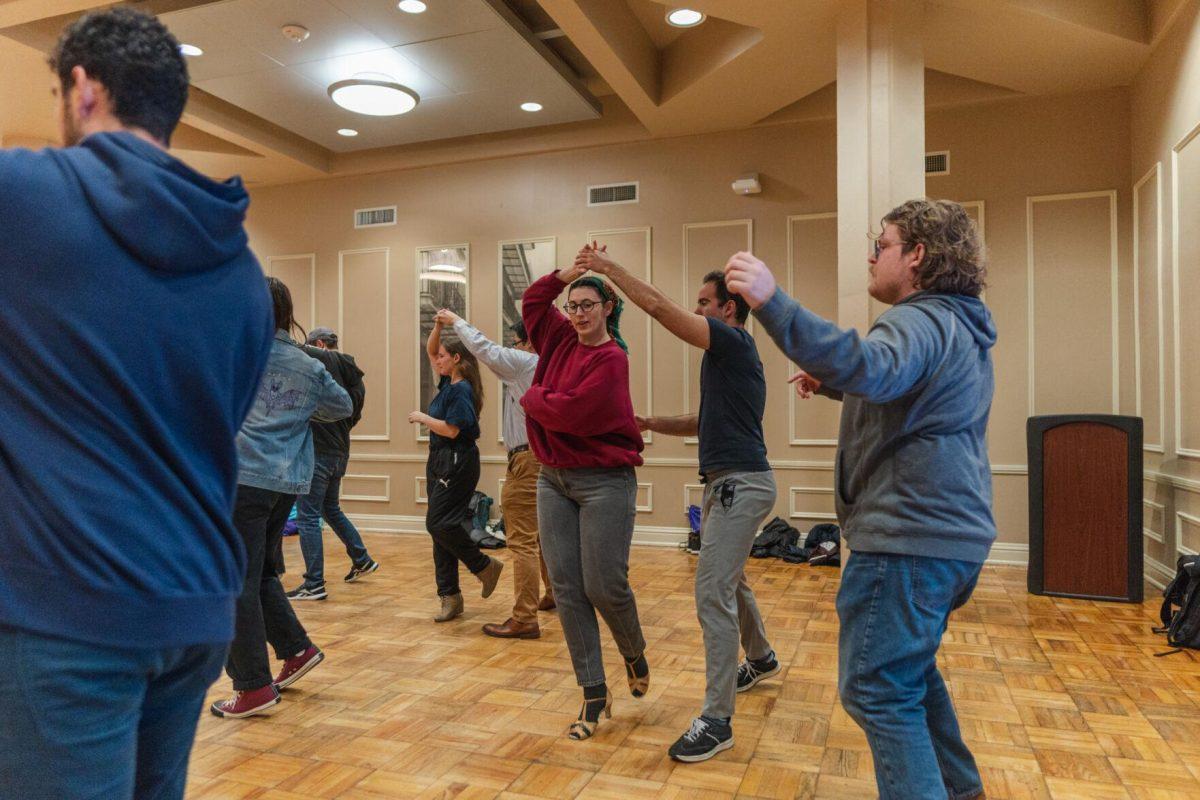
x=1165, y=175
x=1045, y=176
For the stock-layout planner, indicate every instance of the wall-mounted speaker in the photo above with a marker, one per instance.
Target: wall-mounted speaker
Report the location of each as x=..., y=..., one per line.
x=1085, y=506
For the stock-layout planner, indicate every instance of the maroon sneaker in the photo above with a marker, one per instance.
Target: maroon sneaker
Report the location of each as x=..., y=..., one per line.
x=245, y=704
x=297, y=666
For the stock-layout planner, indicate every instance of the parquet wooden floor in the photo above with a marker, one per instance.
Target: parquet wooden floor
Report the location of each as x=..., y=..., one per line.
x=1058, y=699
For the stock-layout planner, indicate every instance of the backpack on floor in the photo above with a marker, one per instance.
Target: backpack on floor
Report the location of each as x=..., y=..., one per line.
x=776, y=537
x=481, y=512
x=823, y=546
x=694, y=515
x=1180, y=612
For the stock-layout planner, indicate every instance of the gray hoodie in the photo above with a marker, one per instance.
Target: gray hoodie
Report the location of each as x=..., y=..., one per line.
x=912, y=474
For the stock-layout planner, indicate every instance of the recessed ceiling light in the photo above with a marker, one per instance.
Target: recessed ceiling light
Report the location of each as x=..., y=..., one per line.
x=376, y=96
x=190, y=50
x=411, y=6
x=684, y=17
x=347, y=132
x=531, y=106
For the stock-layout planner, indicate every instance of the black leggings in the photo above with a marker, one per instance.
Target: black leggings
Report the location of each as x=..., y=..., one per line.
x=452, y=473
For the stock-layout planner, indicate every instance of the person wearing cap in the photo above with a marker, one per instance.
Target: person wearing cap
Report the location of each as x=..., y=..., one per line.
x=514, y=366
x=331, y=451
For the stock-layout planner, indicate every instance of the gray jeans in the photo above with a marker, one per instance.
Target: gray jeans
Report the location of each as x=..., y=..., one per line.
x=585, y=517
x=734, y=507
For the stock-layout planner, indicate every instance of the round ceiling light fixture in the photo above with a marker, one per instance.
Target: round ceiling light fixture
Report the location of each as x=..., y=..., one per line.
x=374, y=95
x=294, y=33
x=684, y=17
x=411, y=6
x=531, y=107
x=347, y=132
x=190, y=50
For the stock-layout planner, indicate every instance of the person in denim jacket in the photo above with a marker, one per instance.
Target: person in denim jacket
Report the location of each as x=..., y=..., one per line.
x=275, y=453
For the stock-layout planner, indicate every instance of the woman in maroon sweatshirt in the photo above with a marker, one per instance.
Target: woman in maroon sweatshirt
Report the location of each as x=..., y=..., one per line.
x=581, y=427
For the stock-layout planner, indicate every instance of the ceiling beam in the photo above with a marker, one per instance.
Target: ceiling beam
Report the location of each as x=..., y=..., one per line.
x=215, y=116
x=1124, y=19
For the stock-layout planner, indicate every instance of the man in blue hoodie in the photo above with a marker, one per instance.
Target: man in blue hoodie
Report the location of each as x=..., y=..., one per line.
x=118, y=466
x=913, y=483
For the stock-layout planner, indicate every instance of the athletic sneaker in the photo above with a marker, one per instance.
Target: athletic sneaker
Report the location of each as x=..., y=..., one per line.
x=244, y=704
x=298, y=666
x=303, y=592
x=357, y=571
x=751, y=672
x=703, y=740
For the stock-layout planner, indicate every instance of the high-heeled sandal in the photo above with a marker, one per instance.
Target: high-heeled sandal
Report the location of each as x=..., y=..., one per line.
x=583, y=728
x=638, y=684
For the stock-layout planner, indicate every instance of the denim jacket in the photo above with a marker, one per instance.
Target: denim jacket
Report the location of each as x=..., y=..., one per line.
x=275, y=449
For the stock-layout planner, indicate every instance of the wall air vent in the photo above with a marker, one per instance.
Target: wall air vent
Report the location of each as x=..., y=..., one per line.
x=937, y=163
x=374, y=217
x=611, y=194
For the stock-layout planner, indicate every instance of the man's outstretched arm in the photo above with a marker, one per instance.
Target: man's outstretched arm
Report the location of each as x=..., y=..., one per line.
x=691, y=328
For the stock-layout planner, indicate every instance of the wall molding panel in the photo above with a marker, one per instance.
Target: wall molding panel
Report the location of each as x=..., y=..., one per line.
x=1031, y=291
x=648, y=232
x=688, y=286
x=1183, y=518
x=384, y=497
x=1176, y=266
x=311, y=283
x=1155, y=174
x=344, y=340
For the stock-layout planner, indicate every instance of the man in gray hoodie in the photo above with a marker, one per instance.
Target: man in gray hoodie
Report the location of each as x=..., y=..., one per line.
x=913, y=483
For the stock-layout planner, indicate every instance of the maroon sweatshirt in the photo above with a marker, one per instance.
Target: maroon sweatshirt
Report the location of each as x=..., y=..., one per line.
x=578, y=412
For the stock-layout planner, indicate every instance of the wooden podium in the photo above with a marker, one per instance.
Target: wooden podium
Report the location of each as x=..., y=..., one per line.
x=1085, y=506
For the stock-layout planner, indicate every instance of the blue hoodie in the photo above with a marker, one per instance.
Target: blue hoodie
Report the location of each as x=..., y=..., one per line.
x=912, y=473
x=135, y=324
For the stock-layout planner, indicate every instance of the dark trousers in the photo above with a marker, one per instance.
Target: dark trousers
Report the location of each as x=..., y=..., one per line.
x=263, y=611
x=92, y=722
x=452, y=473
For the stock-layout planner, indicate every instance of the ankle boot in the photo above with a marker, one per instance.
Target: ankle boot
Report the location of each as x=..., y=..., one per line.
x=489, y=576
x=452, y=606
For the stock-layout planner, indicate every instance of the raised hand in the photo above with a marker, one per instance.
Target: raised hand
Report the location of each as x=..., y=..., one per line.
x=569, y=274
x=643, y=423
x=447, y=317
x=751, y=278
x=805, y=384
x=594, y=257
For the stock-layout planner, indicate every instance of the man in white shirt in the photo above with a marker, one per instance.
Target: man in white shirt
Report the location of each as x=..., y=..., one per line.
x=518, y=499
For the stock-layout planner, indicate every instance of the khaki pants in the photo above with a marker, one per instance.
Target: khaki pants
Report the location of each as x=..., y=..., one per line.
x=518, y=501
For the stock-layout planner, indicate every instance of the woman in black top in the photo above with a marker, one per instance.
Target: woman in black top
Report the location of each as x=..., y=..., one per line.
x=452, y=471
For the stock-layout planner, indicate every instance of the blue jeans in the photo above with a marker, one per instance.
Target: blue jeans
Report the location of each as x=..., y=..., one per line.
x=323, y=500
x=86, y=721
x=893, y=611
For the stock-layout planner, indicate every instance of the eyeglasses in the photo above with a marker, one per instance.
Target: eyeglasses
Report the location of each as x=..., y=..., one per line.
x=879, y=248
x=585, y=306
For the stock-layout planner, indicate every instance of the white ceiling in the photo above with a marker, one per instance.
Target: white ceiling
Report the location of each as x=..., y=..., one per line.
x=471, y=68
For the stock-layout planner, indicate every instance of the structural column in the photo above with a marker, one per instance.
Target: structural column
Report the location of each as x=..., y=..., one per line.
x=880, y=133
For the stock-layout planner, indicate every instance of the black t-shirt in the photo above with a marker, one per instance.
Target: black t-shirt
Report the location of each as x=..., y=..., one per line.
x=733, y=396
x=454, y=404
x=333, y=438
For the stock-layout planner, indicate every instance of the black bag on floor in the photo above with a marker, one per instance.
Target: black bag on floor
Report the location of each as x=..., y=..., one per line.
x=775, y=538
x=823, y=546
x=1180, y=612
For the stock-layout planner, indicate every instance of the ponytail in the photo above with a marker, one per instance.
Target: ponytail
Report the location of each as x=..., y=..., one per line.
x=607, y=294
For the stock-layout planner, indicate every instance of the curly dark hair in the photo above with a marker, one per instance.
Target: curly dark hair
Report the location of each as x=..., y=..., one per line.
x=137, y=60
x=955, y=262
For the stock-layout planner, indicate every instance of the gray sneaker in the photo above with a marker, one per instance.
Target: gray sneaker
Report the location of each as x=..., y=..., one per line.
x=303, y=592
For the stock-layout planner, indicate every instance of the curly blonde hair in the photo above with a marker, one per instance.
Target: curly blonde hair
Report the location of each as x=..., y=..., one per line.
x=955, y=262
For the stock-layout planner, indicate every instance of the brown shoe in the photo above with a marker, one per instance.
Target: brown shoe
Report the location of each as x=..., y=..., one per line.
x=511, y=629
x=490, y=576
x=452, y=606
x=547, y=603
